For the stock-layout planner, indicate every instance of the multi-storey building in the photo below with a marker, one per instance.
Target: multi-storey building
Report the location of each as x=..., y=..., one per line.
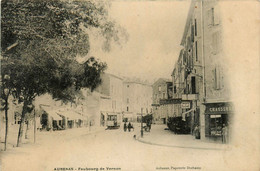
x=162, y=92
x=199, y=76
x=111, y=95
x=137, y=99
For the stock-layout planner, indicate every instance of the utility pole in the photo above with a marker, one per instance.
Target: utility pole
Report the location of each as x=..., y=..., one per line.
x=34, y=137
x=142, y=131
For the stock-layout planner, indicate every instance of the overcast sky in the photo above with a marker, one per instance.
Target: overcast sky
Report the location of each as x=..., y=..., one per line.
x=155, y=30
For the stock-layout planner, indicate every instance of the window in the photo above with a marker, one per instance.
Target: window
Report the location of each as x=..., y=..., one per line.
x=193, y=85
x=17, y=118
x=215, y=125
x=159, y=88
x=113, y=104
x=127, y=86
x=216, y=15
x=192, y=33
x=195, y=25
x=215, y=42
x=127, y=108
x=175, y=90
x=196, y=50
x=127, y=100
x=163, y=95
x=210, y=16
x=217, y=82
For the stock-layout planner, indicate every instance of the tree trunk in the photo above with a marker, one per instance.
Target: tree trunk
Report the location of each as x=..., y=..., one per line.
x=26, y=131
x=20, y=133
x=6, y=123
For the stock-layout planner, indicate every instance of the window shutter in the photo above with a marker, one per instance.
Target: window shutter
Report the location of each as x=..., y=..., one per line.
x=215, y=42
x=209, y=17
x=216, y=15
x=217, y=78
x=192, y=33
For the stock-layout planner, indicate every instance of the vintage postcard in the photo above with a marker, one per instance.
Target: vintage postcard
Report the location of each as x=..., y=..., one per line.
x=130, y=85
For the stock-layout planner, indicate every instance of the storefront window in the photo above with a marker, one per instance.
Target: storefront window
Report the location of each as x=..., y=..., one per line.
x=215, y=124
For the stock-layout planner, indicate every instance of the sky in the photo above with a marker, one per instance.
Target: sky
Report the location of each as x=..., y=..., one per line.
x=155, y=29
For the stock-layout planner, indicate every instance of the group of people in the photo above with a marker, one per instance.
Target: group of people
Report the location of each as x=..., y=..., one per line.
x=148, y=126
x=128, y=126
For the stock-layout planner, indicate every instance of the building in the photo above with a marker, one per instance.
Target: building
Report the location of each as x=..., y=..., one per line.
x=199, y=76
x=110, y=96
x=162, y=92
x=137, y=99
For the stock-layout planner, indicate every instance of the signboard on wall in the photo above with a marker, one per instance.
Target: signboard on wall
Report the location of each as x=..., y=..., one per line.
x=185, y=105
x=218, y=108
x=169, y=101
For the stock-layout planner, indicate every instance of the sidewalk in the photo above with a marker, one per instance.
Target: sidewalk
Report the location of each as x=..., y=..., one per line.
x=45, y=137
x=161, y=137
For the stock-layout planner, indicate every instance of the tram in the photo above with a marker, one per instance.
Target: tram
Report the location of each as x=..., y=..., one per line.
x=113, y=120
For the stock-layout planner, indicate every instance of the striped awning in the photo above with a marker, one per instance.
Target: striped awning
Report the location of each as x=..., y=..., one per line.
x=52, y=113
x=71, y=114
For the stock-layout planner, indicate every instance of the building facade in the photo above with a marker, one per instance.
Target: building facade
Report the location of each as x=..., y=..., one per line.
x=162, y=92
x=110, y=96
x=199, y=76
x=137, y=100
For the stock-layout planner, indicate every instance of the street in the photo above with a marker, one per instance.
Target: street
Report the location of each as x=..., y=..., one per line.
x=81, y=149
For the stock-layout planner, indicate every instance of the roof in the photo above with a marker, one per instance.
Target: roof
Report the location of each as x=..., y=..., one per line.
x=112, y=75
x=162, y=80
x=136, y=82
x=186, y=29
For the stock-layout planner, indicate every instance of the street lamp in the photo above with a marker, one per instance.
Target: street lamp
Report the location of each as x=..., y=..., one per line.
x=142, y=131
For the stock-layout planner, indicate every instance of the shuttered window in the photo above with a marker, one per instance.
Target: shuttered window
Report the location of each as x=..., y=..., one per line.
x=195, y=25
x=216, y=42
x=217, y=76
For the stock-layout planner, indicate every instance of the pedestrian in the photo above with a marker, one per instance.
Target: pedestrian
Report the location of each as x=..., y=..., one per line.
x=150, y=125
x=129, y=126
x=197, y=132
x=224, y=134
x=125, y=127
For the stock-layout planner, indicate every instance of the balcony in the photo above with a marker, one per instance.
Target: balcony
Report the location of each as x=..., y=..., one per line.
x=190, y=96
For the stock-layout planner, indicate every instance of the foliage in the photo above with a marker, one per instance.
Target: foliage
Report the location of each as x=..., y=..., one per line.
x=40, y=41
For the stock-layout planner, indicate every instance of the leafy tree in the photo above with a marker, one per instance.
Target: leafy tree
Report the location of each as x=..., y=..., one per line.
x=40, y=43
x=5, y=92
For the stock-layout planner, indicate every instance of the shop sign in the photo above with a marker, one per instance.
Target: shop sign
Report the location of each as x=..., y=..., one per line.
x=185, y=105
x=170, y=101
x=218, y=108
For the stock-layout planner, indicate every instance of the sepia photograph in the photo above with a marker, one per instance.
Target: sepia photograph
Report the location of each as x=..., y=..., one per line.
x=130, y=85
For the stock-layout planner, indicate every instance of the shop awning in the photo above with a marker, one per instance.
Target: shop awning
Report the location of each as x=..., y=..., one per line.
x=68, y=114
x=71, y=115
x=52, y=113
x=81, y=117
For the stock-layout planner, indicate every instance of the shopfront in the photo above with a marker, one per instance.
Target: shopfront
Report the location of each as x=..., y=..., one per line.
x=217, y=116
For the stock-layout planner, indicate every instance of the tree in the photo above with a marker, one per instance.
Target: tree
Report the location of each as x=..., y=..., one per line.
x=40, y=43
x=5, y=92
